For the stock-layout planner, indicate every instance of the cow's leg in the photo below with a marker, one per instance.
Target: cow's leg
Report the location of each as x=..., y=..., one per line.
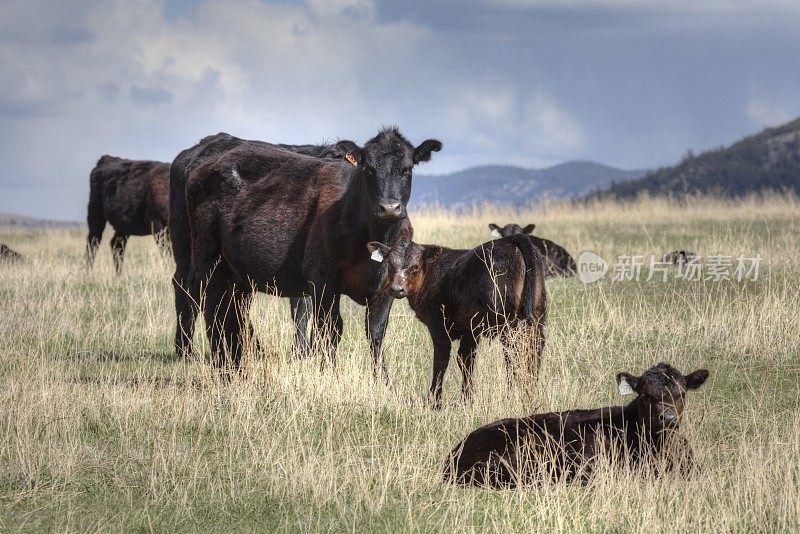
x=118, y=243
x=510, y=354
x=97, y=223
x=226, y=312
x=466, y=361
x=161, y=237
x=328, y=324
x=187, y=298
x=376, y=319
x=301, y=311
x=441, y=358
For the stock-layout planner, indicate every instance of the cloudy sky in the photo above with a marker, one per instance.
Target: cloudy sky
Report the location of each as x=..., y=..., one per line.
x=632, y=83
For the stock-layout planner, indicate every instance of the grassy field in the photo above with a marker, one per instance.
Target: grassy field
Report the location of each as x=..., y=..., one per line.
x=102, y=428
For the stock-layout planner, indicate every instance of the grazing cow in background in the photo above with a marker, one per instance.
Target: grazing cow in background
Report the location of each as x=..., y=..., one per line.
x=679, y=257
x=257, y=216
x=495, y=288
x=6, y=254
x=557, y=445
x=131, y=195
x=559, y=262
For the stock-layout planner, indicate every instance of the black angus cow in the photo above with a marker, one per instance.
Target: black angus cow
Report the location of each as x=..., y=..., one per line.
x=679, y=257
x=559, y=262
x=131, y=195
x=185, y=285
x=493, y=289
x=566, y=445
x=8, y=255
x=251, y=215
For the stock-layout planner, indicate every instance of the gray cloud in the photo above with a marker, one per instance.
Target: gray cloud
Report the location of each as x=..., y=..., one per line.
x=504, y=81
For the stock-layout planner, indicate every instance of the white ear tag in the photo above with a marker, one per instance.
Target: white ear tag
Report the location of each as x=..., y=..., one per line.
x=624, y=387
x=377, y=255
x=496, y=233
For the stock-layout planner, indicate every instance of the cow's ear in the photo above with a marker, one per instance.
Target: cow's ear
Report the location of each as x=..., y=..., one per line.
x=495, y=231
x=349, y=151
x=423, y=151
x=378, y=251
x=696, y=379
x=627, y=383
x=528, y=229
x=431, y=251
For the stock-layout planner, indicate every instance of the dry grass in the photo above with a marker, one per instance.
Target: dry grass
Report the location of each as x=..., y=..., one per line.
x=101, y=428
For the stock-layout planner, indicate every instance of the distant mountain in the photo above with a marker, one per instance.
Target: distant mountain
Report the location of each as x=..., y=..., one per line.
x=769, y=160
x=505, y=184
x=24, y=222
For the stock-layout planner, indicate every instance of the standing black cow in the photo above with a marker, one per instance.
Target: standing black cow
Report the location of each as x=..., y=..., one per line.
x=263, y=217
x=558, y=260
x=131, y=195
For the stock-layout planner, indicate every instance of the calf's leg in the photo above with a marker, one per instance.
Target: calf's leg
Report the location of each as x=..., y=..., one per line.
x=441, y=358
x=466, y=361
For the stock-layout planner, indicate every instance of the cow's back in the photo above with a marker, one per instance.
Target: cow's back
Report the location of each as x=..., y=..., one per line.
x=251, y=195
x=490, y=281
x=123, y=185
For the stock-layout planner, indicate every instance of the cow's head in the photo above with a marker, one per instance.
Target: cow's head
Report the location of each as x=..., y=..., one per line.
x=406, y=265
x=661, y=394
x=385, y=163
x=510, y=229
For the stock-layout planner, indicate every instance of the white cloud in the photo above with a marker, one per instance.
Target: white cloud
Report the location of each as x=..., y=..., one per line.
x=766, y=113
x=550, y=128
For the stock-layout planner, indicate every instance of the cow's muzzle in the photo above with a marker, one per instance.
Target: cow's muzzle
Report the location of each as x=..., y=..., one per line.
x=390, y=211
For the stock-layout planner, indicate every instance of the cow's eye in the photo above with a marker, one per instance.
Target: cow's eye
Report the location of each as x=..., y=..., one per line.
x=414, y=269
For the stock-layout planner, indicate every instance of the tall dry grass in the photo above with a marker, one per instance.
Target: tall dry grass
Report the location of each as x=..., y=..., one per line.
x=102, y=428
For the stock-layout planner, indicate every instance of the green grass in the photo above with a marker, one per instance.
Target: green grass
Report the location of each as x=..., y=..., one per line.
x=102, y=428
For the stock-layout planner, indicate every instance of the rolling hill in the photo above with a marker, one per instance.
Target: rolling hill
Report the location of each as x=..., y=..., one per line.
x=769, y=160
x=506, y=184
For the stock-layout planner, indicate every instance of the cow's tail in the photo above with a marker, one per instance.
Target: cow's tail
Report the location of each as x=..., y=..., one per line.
x=534, y=305
x=533, y=290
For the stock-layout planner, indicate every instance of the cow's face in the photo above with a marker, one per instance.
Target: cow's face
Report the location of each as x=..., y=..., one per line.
x=510, y=229
x=405, y=266
x=662, y=393
x=386, y=163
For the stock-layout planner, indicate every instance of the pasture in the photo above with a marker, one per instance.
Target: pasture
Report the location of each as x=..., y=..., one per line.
x=103, y=428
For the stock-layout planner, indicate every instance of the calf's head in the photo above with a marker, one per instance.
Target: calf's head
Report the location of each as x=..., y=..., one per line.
x=406, y=265
x=510, y=229
x=385, y=165
x=661, y=394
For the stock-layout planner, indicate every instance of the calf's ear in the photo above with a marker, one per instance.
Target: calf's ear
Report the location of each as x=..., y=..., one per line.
x=423, y=151
x=495, y=231
x=528, y=229
x=696, y=379
x=349, y=151
x=377, y=250
x=627, y=383
x=431, y=251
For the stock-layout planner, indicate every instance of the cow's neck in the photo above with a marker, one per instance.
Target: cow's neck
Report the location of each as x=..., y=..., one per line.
x=358, y=210
x=641, y=435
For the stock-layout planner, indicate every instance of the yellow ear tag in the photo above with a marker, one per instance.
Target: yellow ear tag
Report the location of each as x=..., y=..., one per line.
x=349, y=157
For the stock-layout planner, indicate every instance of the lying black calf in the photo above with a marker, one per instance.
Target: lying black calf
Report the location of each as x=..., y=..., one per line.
x=551, y=446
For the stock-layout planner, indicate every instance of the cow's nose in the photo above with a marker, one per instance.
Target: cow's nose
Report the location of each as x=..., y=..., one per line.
x=391, y=209
x=398, y=292
x=669, y=418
